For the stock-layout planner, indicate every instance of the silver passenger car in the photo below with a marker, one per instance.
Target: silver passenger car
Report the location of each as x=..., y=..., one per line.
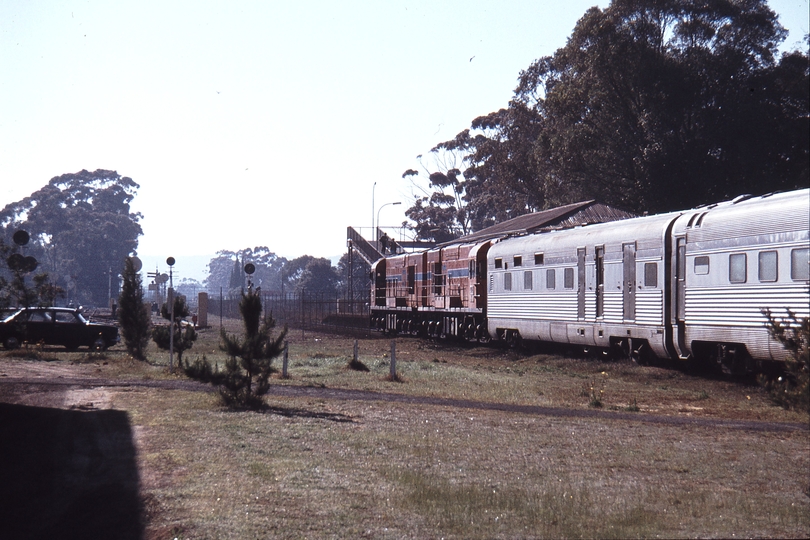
x=680, y=285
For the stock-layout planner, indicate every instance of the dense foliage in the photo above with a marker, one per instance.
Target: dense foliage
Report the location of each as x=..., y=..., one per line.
x=81, y=230
x=354, y=279
x=226, y=270
x=15, y=287
x=273, y=274
x=652, y=105
x=133, y=313
x=184, y=335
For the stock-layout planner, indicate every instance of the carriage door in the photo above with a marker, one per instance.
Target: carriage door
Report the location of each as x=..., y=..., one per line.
x=600, y=281
x=680, y=295
x=580, y=283
x=629, y=288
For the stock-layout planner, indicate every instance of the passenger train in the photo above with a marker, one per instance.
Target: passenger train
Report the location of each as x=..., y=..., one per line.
x=683, y=285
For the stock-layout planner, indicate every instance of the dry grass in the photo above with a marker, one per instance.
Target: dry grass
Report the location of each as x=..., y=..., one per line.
x=323, y=468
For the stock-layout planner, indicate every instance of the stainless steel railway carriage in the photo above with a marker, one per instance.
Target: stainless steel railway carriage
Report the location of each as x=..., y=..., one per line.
x=679, y=285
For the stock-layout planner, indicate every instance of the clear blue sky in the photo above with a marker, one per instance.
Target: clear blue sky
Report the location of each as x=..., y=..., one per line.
x=265, y=122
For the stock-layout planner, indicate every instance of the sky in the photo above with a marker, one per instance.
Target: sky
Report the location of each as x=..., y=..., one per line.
x=262, y=123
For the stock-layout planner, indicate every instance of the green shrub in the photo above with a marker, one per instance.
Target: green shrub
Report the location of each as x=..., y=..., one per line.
x=245, y=378
x=791, y=389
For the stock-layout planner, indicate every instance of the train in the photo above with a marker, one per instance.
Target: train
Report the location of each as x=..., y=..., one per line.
x=689, y=285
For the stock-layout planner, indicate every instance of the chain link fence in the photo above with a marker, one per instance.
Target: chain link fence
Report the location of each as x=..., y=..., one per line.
x=298, y=310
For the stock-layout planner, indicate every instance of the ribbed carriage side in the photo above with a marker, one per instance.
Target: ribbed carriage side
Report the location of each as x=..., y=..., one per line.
x=743, y=258
x=598, y=285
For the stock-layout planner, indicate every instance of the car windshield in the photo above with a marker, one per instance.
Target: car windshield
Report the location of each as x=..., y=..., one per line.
x=81, y=317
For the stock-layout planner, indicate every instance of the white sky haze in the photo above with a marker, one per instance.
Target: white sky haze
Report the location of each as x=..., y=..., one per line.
x=266, y=122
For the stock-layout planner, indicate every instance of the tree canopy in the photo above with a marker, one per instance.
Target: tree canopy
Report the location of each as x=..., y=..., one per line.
x=81, y=230
x=651, y=105
x=227, y=269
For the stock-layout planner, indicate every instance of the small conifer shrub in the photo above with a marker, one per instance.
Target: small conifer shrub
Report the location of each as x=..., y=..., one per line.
x=245, y=377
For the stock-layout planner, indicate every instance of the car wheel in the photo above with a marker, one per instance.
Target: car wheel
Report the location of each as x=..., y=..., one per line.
x=11, y=343
x=99, y=345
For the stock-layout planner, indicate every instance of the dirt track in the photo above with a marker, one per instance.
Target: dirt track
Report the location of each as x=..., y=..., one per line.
x=67, y=388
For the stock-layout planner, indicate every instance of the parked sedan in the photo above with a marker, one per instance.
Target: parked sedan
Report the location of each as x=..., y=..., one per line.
x=55, y=326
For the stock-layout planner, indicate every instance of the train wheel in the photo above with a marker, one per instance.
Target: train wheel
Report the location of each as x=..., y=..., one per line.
x=514, y=339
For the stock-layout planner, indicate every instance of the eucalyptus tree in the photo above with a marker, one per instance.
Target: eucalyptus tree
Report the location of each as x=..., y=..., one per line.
x=81, y=228
x=651, y=105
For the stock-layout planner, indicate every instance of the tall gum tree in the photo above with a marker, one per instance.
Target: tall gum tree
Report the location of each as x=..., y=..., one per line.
x=651, y=105
x=82, y=229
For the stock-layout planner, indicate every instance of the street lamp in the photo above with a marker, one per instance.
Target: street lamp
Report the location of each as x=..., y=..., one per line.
x=374, y=187
x=376, y=231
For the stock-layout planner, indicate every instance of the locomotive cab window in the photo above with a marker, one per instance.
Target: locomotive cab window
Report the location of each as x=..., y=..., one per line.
x=737, y=268
x=701, y=266
x=518, y=260
x=568, y=278
x=651, y=274
x=551, y=275
x=538, y=258
x=768, y=269
x=527, y=281
x=800, y=264
x=498, y=263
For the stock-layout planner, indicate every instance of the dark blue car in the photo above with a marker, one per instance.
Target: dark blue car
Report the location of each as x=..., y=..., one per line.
x=55, y=326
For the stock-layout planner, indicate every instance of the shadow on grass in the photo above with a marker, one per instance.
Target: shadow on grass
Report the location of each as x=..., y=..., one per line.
x=67, y=474
x=303, y=413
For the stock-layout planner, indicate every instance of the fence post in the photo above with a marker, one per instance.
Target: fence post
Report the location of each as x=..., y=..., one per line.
x=355, y=351
x=284, y=362
x=393, y=360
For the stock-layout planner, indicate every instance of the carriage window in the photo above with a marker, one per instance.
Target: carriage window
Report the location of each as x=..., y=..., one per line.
x=768, y=270
x=651, y=274
x=538, y=258
x=701, y=265
x=518, y=260
x=736, y=268
x=498, y=263
x=507, y=281
x=551, y=274
x=527, y=281
x=800, y=264
x=568, y=277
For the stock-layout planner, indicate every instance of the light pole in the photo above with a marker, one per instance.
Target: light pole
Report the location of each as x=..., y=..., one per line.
x=170, y=261
x=377, y=236
x=373, y=234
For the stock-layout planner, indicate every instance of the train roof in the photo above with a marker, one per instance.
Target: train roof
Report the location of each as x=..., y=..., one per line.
x=562, y=217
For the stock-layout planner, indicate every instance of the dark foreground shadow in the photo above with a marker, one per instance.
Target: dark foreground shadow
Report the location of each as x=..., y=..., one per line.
x=67, y=474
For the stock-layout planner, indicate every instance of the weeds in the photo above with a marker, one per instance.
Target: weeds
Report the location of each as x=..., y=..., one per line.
x=792, y=388
x=595, y=392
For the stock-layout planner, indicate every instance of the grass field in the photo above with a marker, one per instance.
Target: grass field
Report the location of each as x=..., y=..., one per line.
x=609, y=450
